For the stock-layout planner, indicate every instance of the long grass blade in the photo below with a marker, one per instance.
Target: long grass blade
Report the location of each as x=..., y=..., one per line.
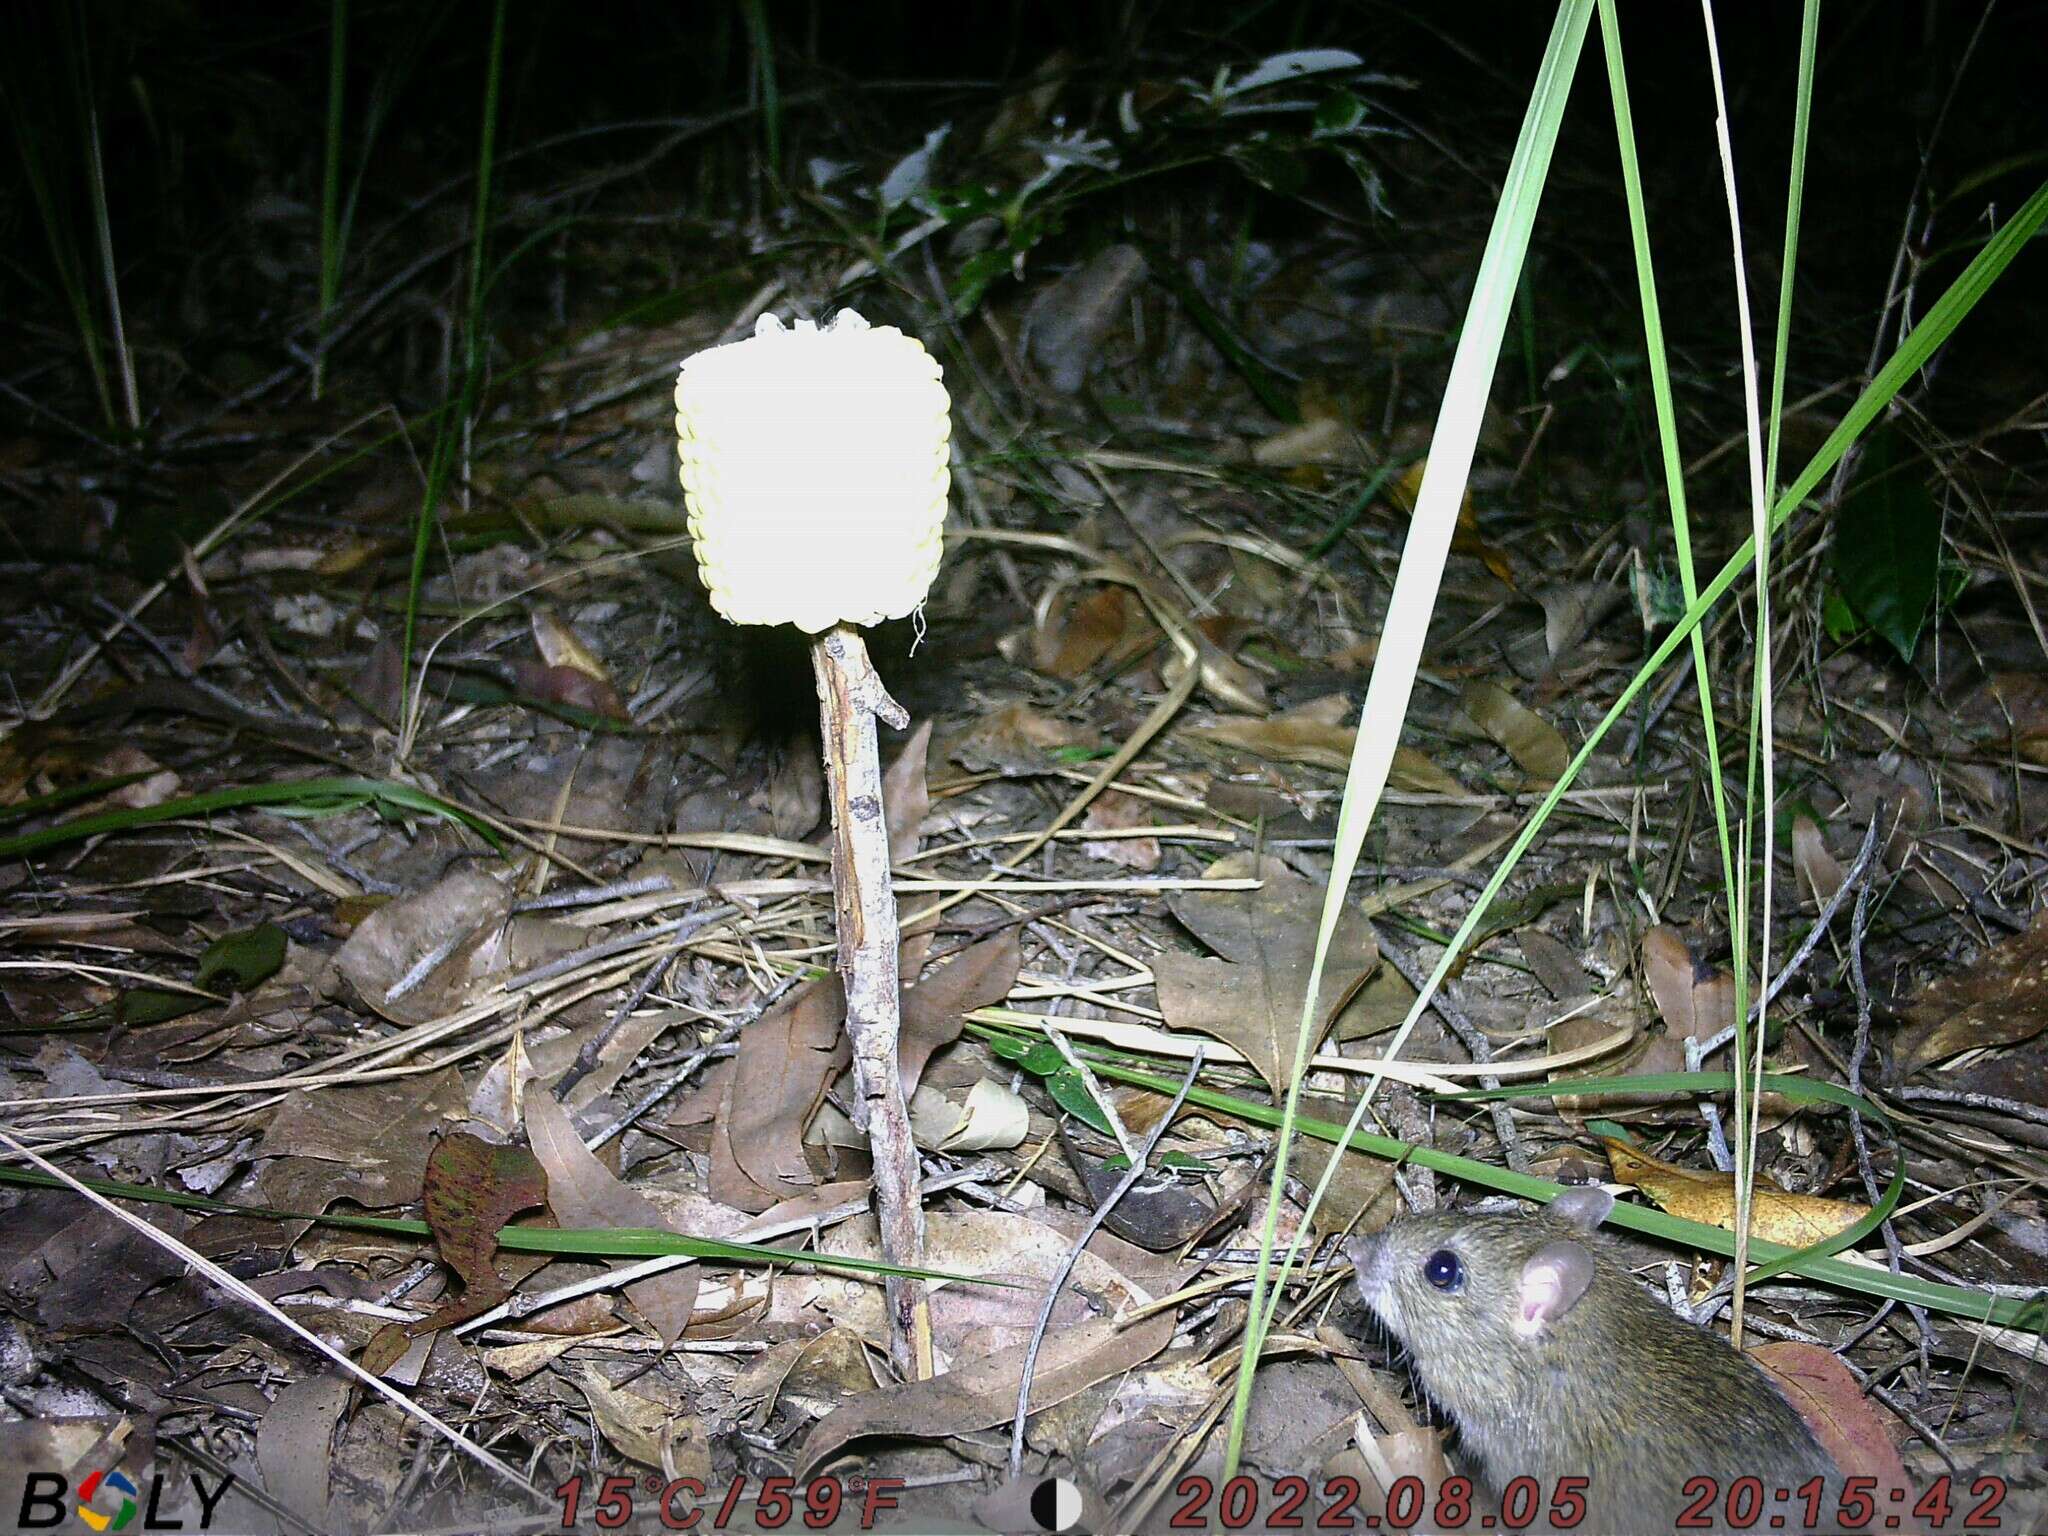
x=1414, y=596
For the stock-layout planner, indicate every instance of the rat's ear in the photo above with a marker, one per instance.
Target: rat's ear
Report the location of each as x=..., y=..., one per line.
x=1584, y=1207
x=1553, y=1280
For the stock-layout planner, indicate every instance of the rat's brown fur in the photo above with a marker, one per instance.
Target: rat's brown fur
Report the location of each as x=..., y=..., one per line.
x=1618, y=1390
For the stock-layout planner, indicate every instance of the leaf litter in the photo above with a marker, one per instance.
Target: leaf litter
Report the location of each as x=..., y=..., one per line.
x=616, y=1011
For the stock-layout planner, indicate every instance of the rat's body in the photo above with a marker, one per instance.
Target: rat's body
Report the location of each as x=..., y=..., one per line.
x=1553, y=1362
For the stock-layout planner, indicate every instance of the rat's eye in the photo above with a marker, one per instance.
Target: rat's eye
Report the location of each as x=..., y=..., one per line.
x=1444, y=1270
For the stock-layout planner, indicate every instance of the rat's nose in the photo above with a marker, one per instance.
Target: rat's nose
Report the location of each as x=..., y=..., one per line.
x=1368, y=1256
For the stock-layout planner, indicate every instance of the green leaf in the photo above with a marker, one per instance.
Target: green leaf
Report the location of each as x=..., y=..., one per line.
x=1888, y=541
x=1071, y=1094
x=241, y=960
x=1839, y=618
x=1041, y=1058
x=1069, y=1090
x=1339, y=112
x=140, y=1006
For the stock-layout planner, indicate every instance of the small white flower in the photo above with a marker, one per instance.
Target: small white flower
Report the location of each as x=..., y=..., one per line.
x=814, y=464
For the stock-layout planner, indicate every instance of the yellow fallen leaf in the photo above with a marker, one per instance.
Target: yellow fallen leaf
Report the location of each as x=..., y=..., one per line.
x=1797, y=1221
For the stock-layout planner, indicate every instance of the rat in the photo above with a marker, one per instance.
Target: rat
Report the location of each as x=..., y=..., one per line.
x=1553, y=1362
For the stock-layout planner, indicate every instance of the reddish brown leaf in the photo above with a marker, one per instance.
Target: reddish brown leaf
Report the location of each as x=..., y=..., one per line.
x=1819, y=873
x=2001, y=998
x=1852, y=1428
x=472, y=1189
x=1083, y=632
x=1694, y=999
x=568, y=687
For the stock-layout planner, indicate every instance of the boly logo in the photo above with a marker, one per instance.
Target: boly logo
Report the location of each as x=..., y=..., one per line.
x=108, y=1501
x=90, y=1489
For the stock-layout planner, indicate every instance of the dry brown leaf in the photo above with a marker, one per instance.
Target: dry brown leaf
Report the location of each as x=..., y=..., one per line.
x=452, y=919
x=158, y=784
x=982, y=1390
x=1001, y=1245
x=569, y=671
x=906, y=796
x=379, y=683
x=1158, y=1214
x=1695, y=1000
x=1417, y=1453
x=1084, y=629
x=1018, y=736
x=832, y=1365
x=348, y=557
x=1357, y=657
x=1532, y=741
x=1797, y=1221
x=366, y=1142
x=2024, y=696
x=295, y=1444
x=2000, y=998
x=1643, y=1055
x=1224, y=680
x=1314, y=734
x=1316, y=441
x=1252, y=997
x=1820, y=876
x=1466, y=540
x=979, y=977
x=1570, y=613
x=496, y=1098
x=786, y=1059
x=1554, y=963
x=1068, y=319
x=516, y=1362
x=560, y=646
x=794, y=796
x=1115, y=811
x=1268, y=586
x=644, y=1429
x=1021, y=115
x=986, y=1117
x=1362, y=1193
x=582, y=1192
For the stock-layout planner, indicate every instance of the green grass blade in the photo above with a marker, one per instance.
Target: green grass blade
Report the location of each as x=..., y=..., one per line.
x=581, y=1242
x=103, y=228
x=330, y=183
x=1414, y=599
x=310, y=794
x=34, y=126
x=454, y=429
x=1913, y=353
x=1667, y=426
x=1839, y=1273
x=761, y=42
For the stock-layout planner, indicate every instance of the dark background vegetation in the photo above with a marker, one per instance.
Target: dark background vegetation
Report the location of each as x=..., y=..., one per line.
x=213, y=117
x=488, y=400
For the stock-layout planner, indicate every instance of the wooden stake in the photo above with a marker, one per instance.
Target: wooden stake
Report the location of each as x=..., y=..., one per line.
x=850, y=696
